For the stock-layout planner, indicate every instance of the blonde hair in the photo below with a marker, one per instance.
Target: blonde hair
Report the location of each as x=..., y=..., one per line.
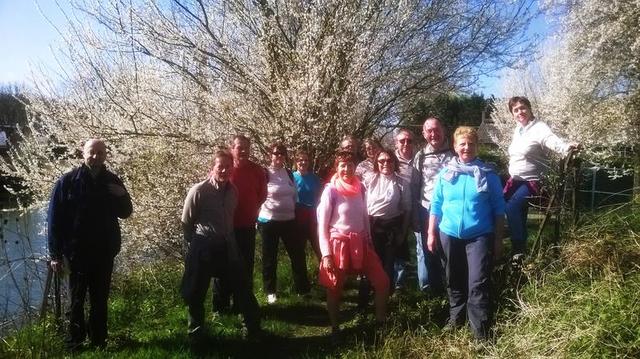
x=465, y=131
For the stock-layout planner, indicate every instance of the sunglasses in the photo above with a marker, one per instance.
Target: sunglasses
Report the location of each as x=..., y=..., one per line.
x=385, y=160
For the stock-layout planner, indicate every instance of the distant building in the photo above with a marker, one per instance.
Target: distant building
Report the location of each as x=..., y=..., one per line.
x=486, y=128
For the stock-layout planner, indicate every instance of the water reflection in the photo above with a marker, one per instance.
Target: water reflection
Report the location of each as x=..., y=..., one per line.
x=23, y=267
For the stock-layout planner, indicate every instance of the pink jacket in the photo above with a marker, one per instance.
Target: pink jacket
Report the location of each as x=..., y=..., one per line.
x=341, y=215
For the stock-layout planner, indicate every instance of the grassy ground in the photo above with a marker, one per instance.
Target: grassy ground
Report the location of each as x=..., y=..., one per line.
x=577, y=299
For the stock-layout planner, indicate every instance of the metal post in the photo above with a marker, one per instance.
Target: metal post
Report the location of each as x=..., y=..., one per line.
x=593, y=187
x=57, y=300
x=47, y=288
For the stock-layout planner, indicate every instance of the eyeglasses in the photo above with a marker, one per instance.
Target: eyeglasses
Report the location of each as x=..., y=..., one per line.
x=385, y=160
x=406, y=141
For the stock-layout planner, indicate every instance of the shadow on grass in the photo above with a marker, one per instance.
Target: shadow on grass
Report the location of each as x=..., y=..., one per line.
x=312, y=314
x=271, y=345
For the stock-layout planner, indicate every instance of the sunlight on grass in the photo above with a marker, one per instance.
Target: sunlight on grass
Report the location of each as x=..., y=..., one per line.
x=579, y=299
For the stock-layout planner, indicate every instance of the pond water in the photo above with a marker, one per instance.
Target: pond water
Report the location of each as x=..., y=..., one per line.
x=23, y=269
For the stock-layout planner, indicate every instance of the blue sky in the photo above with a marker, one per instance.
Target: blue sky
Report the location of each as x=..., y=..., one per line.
x=27, y=38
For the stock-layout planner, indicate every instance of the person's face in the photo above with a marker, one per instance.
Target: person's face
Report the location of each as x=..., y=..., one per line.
x=302, y=163
x=94, y=154
x=346, y=170
x=221, y=169
x=521, y=113
x=240, y=150
x=466, y=148
x=371, y=150
x=278, y=157
x=348, y=145
x=433, y=133
x=404, y=144
x=385, y=164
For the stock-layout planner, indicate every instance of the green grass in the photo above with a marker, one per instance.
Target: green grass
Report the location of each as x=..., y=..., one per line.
x=578, y=299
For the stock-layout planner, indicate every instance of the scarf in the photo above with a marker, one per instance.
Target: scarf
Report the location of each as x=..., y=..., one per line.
x=475, y=168
x=344, y=188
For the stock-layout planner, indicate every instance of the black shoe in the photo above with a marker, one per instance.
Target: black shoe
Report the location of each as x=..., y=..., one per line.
x=256, y=334
x=335, y=336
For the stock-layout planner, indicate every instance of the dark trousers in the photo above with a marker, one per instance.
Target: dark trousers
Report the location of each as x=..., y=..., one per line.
x=246, y=240
x=208, y=258
x=400, y=265
x=92, y=276
x=384, y=233
x=307, y=227
x=271, y=232
x=468, y=268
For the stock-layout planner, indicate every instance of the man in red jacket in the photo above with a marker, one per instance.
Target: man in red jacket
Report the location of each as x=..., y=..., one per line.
x=250, y=179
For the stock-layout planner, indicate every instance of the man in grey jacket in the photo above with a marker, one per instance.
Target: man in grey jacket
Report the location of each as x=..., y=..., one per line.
x=207, y=221
x=428, y=162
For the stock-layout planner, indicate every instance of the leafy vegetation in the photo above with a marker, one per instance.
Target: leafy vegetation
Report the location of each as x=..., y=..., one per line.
x=579, y=299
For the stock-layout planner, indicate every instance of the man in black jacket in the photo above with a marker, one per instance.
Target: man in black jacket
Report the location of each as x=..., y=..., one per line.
x=83, y=228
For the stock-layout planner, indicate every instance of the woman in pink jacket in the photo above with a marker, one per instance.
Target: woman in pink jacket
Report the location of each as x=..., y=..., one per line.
x=345, y=239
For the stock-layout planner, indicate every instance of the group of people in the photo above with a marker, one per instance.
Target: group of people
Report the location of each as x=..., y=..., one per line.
x=357, y=223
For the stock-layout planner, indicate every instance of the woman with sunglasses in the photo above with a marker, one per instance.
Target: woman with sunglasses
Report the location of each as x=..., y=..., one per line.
x=389, y=208
x=276, y=221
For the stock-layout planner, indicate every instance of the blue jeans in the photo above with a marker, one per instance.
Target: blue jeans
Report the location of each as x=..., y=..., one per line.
x=516, y=209
x=428, y=263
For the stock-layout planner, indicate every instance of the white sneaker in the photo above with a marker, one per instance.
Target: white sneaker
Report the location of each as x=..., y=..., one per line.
x=271, y=298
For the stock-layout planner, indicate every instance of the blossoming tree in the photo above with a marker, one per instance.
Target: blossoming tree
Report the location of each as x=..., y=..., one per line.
x=586, y=82
x=166, y=81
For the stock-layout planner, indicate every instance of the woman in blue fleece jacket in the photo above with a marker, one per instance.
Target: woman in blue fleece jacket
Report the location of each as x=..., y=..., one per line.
x=467, y=215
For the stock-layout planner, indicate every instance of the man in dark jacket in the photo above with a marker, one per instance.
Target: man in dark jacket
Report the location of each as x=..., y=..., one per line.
x=83, y=228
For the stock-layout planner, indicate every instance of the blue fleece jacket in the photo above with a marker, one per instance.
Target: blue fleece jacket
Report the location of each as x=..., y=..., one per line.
x=462, y=211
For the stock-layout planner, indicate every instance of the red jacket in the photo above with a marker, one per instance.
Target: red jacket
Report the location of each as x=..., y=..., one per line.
x=251, y=182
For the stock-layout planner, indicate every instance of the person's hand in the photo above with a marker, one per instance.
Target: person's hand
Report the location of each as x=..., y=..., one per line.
x=56, y=265
x=116, y=190
x=432, y=242
x=574, y=146
x=327, y=262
